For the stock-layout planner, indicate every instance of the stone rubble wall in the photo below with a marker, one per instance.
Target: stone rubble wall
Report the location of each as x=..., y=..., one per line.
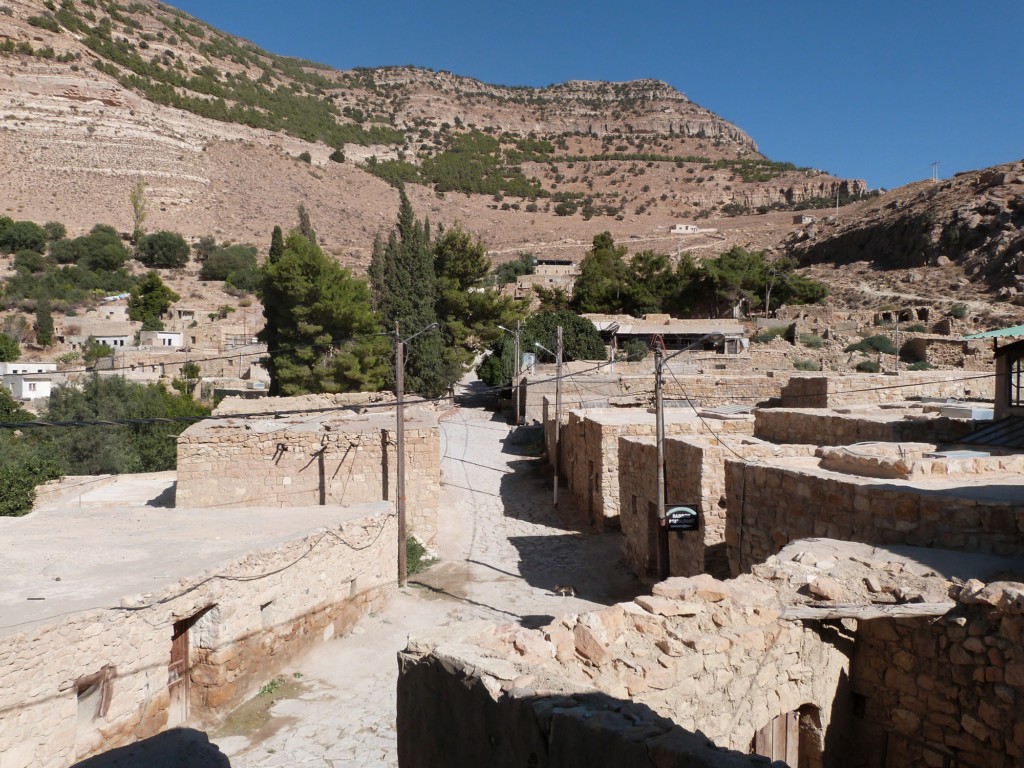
x=257, y=614
x=866, y=389
x=625, y=685
x=825, y=427
x=770, y=506
x=948, y=688
x=695, y=472
x=590, y=456
x=233, y=467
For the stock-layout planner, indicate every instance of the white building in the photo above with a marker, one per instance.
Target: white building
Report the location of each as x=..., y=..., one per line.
x=684, y=229
x=172, y=339
x=28, y=386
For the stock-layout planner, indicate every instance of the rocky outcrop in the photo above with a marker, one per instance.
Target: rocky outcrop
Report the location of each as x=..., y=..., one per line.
x=974, y=221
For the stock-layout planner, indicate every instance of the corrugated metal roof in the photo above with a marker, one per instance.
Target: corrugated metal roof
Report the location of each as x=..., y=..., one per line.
x=1013, y=330
x=1005, y=433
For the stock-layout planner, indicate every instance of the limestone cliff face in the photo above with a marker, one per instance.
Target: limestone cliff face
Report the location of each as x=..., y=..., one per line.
x=577, y=106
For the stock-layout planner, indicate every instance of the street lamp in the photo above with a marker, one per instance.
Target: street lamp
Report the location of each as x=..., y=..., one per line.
x=518, y=369
x=400, y=445
x=659, y=421
x=558, y=405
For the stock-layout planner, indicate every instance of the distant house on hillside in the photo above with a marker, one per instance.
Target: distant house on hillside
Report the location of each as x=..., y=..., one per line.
x=28, y=381
x=803, y=218
x=173, y=339
x=684, y=229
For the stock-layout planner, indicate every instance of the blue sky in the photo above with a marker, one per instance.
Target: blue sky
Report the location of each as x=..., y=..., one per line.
x=875, y=90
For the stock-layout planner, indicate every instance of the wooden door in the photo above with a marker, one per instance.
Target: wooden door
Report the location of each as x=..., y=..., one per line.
x=780, y=739
x=177, y=673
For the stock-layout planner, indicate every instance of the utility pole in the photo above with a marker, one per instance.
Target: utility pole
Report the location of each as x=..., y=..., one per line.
x=659, y=428
x=897, y=343
x=519, y=371
x=935, y=171
x=400, y=447
x=558, y=404
x=558, y=407
x=400, y=454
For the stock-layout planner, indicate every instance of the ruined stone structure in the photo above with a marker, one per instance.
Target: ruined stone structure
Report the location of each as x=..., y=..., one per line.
x=945, y=690
x=943, y=505
x=590, y=451
x=695, y=474
x=946, y=352
x=92, y=679
x=705, y=673
x=824, y=426
x=334, y=456
x=832, y=391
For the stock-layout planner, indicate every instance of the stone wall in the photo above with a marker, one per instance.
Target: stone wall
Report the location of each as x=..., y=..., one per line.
x=944, y=352
x=695, y=472
x=98, y=679
x=626, y=685
x=821, y=426
x=863, y=389
x=590, y=451
x=687, y=380
x=771, y=505
x=238, y=462
x=951, y=688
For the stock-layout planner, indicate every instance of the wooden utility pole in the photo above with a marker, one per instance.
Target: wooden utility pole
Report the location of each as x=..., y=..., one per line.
x=400, y=457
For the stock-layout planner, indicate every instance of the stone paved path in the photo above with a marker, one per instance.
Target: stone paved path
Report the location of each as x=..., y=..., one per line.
x=503, y=549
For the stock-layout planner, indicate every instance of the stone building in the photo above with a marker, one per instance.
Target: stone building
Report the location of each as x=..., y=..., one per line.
x=590, y=450
x=1009, y=394
x=865, y=389
x=880, y=493
x=315, y=450
x=814, y=659
x=121, y=620
x=694, y=476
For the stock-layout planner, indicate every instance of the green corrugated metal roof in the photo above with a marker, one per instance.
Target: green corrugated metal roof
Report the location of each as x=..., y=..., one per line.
x=1013, y=330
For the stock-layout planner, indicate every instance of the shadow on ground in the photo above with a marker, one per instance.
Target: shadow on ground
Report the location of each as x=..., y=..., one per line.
x=166, y=497
x=177, y=748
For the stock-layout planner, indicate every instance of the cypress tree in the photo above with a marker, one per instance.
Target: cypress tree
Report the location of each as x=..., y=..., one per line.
x=405, y=292
x=44, y=324
x=276, y=245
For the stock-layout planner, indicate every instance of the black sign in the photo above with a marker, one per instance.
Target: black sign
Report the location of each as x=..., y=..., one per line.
x=682, y=518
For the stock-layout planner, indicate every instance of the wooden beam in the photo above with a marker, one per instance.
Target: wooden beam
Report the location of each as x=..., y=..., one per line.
x=864, y=612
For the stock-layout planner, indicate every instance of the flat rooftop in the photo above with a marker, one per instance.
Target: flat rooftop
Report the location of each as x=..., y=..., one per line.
x=113, y=537
x=884, y=412
x=988, y=488
x=339, y=421
x=675, y=414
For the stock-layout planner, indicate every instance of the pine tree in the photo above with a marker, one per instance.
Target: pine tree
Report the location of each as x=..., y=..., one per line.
x=320, y=327
x=305, y=225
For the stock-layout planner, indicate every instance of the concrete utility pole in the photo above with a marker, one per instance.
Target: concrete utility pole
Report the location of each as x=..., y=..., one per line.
x=558, y=404
x=659, y=428
x=400, y=447
x=558, y=407
x=518, y=368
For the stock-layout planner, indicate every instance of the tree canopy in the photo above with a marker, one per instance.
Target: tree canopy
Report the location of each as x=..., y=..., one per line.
x=163, y=250
x=149, y=299
x=321, y=331
x=9, y=349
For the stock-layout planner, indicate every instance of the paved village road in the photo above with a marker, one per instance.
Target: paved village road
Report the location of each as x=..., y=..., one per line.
x=503, y=548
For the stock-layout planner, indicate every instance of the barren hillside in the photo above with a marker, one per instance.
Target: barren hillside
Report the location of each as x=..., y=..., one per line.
x=95, y=97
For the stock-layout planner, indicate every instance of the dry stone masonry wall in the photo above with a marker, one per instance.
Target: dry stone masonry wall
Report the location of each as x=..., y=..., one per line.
x=98, y=679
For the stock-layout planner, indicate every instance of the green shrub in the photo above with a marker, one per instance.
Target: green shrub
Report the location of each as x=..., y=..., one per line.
x=916, y=328
x=765, y=336
x=812, y=340
x=806, y=364
x=306, y=157
x=22, y=236
x=868, y=366
x=959, y=311
x=871, y=344
x=417, y=558
x=921, y=365
x=163, y=250
x=30, y=261
x=337, y=156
